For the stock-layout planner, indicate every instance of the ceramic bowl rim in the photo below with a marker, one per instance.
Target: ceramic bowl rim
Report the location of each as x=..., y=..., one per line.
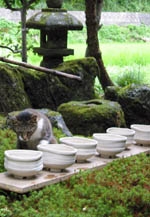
x=109, y=136
x=52, y=149
x=139, y=127
x=69, y=141
x=34, y=155
x=123, y=131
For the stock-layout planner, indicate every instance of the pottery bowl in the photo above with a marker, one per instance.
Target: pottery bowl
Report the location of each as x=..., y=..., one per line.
x=142, y=134
x=23, y=163
x=129, y=133
x=57, y=157
x=86, y=148
x=109, y=144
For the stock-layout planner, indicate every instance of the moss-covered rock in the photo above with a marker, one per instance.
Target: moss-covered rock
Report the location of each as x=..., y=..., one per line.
x=22, y=88
x=93, y=116
x=46, y=90
x=39, y=88
x=12, y=93
x=135, y=102
x=87, y=68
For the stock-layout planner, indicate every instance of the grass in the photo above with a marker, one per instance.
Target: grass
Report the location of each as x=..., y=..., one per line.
x=117, y=54
x=120, y=59
x=123, y=51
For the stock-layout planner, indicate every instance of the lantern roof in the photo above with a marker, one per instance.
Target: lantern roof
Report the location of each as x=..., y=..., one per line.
x=50, y=19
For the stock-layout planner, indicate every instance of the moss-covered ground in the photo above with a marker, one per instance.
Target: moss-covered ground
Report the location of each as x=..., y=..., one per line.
x=121, y=189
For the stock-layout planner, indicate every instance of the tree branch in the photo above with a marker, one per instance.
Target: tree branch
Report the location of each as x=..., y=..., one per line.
x=8, y=4
x=41, y=69
x=14, y=51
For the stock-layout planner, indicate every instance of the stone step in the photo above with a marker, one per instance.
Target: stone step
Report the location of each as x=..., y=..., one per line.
x=45, y=178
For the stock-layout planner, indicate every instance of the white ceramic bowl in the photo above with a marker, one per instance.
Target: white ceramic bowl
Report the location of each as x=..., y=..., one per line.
x=123, y=132
x=23, y=163
x=86, y=148
x=109, y=144
x=142, y=134
x=57, y=157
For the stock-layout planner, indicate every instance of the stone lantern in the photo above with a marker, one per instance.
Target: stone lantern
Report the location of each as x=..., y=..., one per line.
x=53, y=23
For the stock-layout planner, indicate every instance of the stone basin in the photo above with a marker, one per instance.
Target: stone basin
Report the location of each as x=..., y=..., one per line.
x=86, y=148
x=129, y=133
x=109, y=144
x=57, y=157
x=142, y=134
x=23, y=163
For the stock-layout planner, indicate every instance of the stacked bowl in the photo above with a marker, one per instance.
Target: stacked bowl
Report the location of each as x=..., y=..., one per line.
x=142, y=134
x=57, y=157
x=23, y=163
x=109, y=144
x=129, y=133
x=86, y=148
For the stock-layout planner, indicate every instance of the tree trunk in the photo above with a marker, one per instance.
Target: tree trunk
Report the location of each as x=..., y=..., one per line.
x=93, y=15
x=24, y=31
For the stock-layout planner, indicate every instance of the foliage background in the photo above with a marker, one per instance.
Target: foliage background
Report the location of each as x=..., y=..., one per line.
x=113, y=5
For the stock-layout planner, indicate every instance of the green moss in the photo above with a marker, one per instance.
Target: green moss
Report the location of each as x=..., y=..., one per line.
x=2, y=121
x=73, y=66
x=87, y=69
x=58, y=133
x=31, y=73
x=7, y=141
x=12, y=92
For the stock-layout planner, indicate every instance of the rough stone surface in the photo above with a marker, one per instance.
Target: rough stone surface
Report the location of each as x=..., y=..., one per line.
x=50, y=19
x=93, y=116
x=135, y=102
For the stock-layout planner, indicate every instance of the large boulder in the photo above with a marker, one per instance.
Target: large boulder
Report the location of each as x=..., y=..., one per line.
x=22, y=88
x=91, y=116
x=46, y=90
x=135, y=102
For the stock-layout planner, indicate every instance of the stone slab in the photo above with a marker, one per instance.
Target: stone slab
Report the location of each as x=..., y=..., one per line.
x=44, y=178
